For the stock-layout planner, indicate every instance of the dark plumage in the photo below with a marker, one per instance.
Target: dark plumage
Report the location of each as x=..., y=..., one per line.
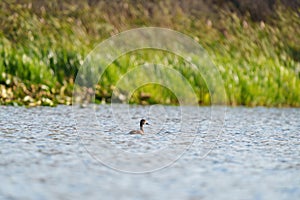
x=141, y=131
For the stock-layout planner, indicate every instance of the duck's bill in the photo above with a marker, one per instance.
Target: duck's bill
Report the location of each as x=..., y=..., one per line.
x=147, y=123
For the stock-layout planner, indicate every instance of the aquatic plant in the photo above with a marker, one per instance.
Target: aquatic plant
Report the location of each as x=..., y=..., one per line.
x=42, y=46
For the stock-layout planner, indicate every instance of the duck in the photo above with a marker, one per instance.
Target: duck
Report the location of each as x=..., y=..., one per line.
x=141, y=131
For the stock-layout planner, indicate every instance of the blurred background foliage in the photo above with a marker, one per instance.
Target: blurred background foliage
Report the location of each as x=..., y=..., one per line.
x=255, y=44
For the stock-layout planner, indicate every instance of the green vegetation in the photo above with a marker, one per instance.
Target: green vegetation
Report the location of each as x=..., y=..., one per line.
x=42, y=45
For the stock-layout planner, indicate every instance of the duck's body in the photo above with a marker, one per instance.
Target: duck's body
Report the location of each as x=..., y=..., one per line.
x=141, y=131
x=136, y=132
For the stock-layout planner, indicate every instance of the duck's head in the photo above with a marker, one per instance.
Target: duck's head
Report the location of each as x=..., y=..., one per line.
x=143, y=121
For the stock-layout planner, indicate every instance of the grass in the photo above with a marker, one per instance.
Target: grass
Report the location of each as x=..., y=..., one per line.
x=42, y=48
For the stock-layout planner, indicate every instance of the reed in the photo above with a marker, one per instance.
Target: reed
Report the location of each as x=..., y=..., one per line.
x=42, y=48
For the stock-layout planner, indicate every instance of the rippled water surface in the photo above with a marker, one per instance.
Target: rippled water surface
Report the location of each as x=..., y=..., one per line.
x=186, y=153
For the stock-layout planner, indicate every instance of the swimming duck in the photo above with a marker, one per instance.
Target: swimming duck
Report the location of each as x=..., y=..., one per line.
x=141, y=131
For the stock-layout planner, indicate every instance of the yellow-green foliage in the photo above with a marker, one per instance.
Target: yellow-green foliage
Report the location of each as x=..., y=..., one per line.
x=44, y=44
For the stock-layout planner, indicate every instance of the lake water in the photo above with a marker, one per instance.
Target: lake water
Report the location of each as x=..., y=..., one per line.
x=186, y=153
